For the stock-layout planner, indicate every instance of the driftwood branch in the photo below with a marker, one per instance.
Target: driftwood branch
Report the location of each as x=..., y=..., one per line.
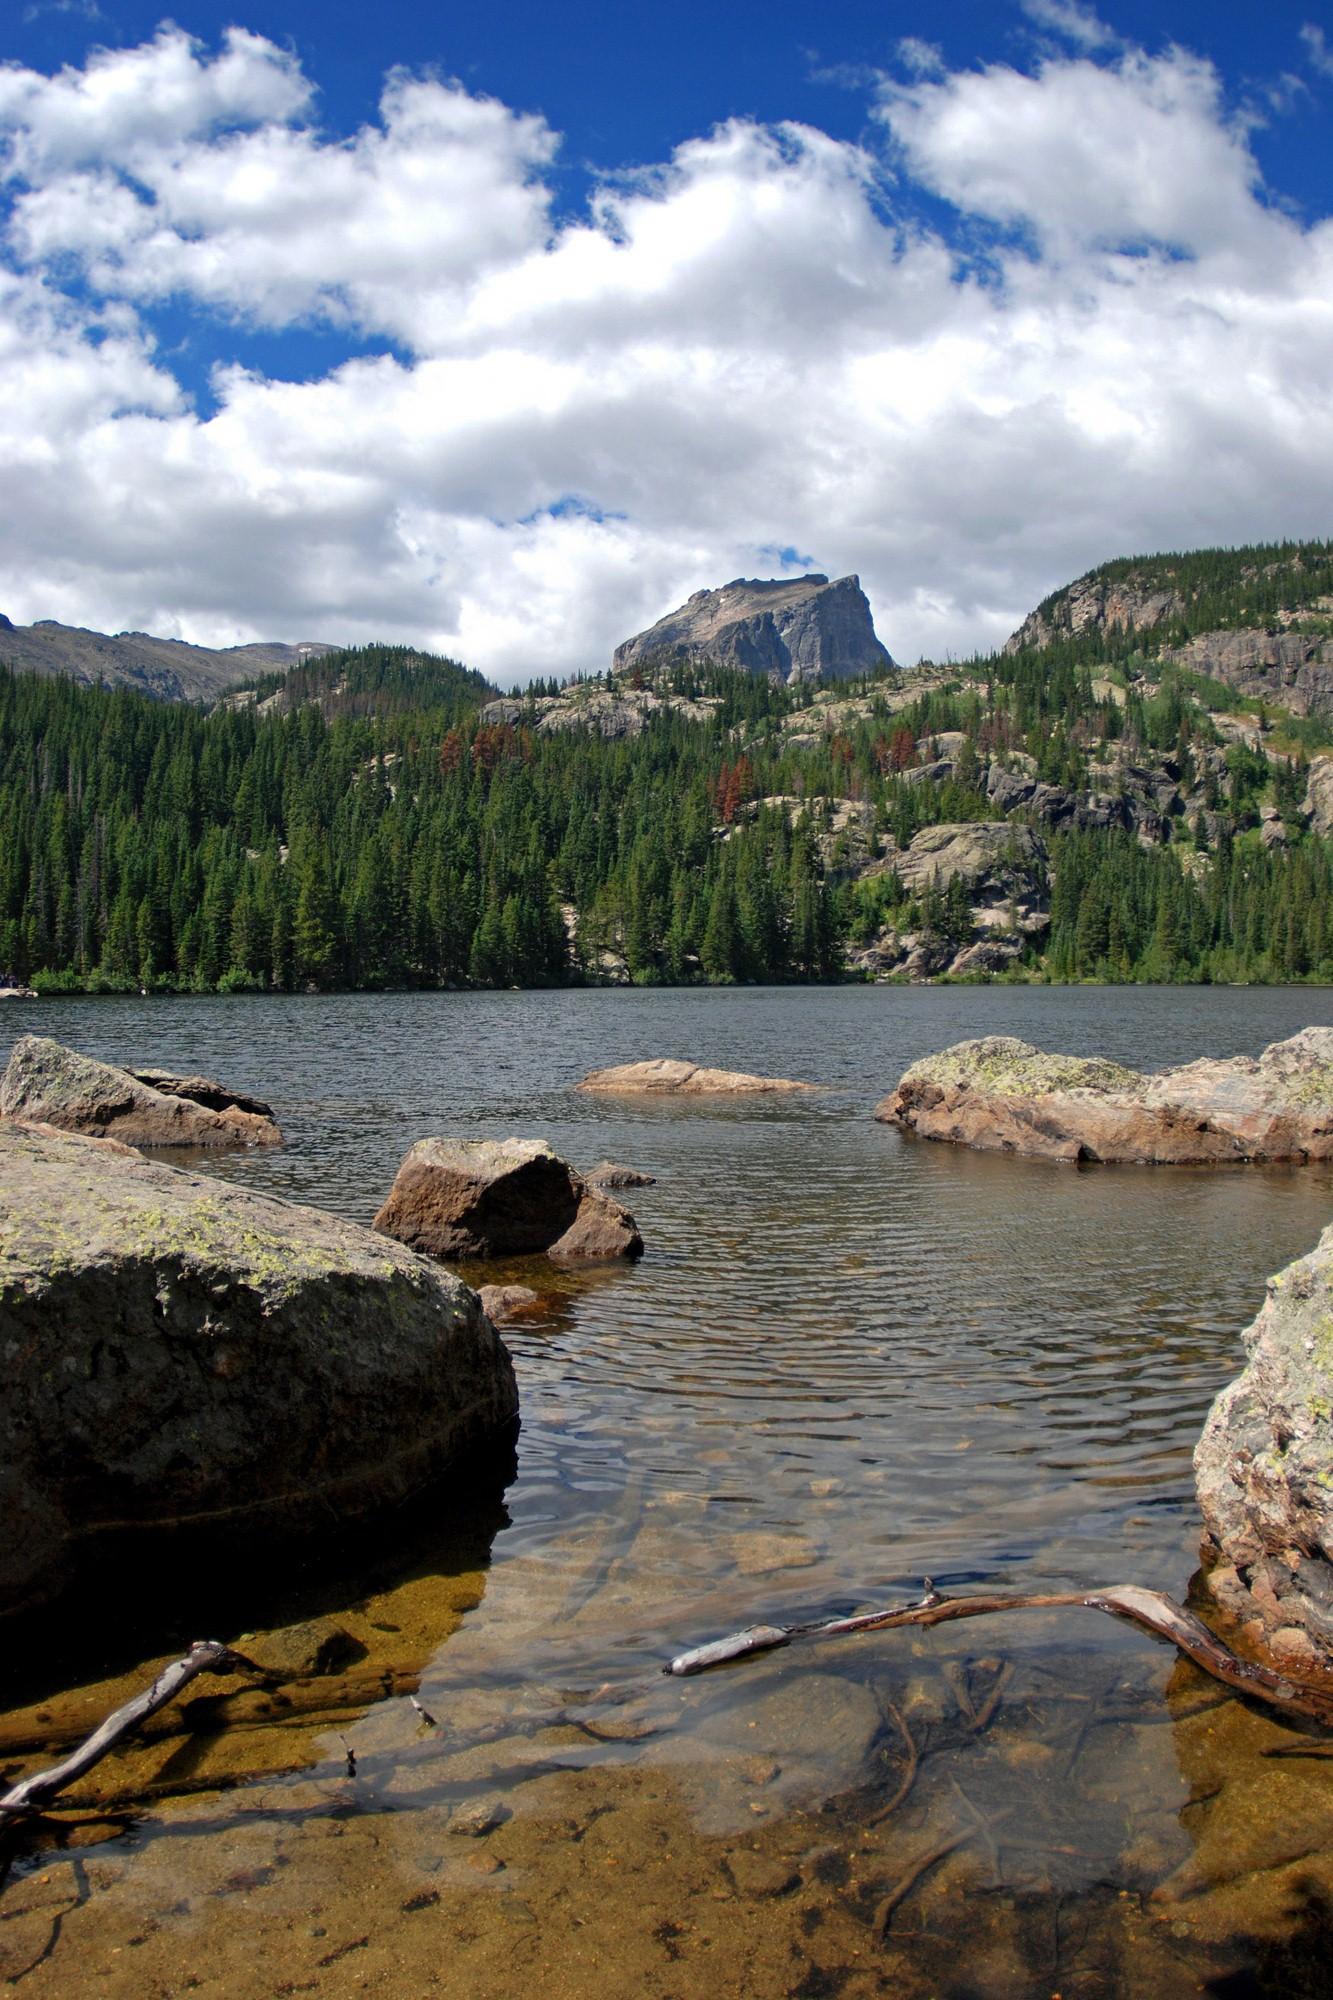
x=206, y=1656
x=1151, y=1610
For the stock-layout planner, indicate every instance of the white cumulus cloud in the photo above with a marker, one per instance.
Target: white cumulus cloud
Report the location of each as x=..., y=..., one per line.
x=1113, y=341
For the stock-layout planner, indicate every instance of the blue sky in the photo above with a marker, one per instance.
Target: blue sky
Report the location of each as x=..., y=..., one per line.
x=599, y=305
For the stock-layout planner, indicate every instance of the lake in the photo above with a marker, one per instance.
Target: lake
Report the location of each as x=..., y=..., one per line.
x=849, y=1360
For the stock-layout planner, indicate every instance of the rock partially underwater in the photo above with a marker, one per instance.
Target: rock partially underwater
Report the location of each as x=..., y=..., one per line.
x=48, y=1084
x=481, y=1198
x=1002, y=1095
x=180, y=1354
x=1264, y=1473
x=664, y=1076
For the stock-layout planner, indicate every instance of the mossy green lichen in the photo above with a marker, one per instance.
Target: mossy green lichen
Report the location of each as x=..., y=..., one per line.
x=1006, y=1067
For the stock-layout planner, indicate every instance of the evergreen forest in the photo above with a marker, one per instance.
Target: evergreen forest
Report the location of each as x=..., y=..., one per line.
x=368, y=823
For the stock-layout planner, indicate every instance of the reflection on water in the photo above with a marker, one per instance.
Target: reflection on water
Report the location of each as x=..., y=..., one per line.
x=848, y=1360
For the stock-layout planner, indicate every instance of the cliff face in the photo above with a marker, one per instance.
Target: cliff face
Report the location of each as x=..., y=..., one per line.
x=1294, y=669
x=1095, y=601
x=168, y=669
x=800, y=629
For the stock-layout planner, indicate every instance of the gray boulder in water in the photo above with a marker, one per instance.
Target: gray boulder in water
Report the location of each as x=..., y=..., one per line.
x=48, y=1084
x=182, y=1354
x=800, y=628
x=1264, y=1473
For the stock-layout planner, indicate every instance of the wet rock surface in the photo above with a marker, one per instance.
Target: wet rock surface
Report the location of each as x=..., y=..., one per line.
x=1000, y=1094
x=49, y=1084
x=1264, y=1474
x=610, y=1174
x=664, y=1076
x=183, y=1355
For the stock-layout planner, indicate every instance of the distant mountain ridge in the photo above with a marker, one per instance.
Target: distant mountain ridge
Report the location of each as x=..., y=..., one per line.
x=795, y=629
x=167, y=669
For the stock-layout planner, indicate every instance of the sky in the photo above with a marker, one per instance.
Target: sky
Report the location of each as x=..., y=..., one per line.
x=501, y=330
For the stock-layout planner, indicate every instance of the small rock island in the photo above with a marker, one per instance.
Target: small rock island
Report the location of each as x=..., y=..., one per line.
x=999, y=1094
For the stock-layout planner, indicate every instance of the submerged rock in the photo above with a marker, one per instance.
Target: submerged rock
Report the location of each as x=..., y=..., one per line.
x=46, y=1083
x=183, y=1355
x=1002, y=1095
x=501, y=1198
x=610, y=1174
x=506, y=1302
x=1264, y=1473
x=662, y=1077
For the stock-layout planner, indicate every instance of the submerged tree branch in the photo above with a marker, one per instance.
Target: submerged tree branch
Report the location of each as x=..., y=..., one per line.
x=206, y=1656
x=1152, y=1610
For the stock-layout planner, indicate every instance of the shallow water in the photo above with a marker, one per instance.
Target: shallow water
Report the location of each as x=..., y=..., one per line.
x=848, y=1360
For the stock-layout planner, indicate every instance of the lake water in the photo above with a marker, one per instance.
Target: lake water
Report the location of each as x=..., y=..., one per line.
x=848, y=1360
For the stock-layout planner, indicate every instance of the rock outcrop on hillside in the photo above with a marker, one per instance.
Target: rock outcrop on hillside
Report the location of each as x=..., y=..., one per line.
x=476, y=1198
x=1094, y=601
x=614, y=713
x=1263, y=1470
x=1292, y=669
x=795, y=629
x=168, y=669
x=1002, y=1095
x=666, y=1077
x=183, y=1355
x=1002, y=868
x=46, y=1083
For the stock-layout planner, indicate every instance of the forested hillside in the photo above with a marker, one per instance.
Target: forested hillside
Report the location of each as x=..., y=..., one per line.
x=363, y=823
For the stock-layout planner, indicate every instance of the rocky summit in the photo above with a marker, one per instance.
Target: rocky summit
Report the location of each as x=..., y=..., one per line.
x=1000, y=1094
x=795, y=629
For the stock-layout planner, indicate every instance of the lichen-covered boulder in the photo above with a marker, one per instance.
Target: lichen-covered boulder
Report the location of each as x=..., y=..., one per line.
x=46, y=1083
x=481, y=1198
x=1002, y=1095
x=1264, y=1473
x=181, y=1354
x=665, y=1076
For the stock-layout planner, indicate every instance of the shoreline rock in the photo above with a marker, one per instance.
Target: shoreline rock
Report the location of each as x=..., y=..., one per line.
x=1263, y=1471
x=46, y=1083
x=664, y=1077
x=183, y=1355
x=482, y=1198
x=998, y=1094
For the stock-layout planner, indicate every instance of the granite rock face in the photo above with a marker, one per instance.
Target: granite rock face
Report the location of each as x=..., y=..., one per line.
x=1095, y=602
x=180, y=1354
x=1292, y=668
x=48, y=1084
x=798, y=629
x=665, y=1077
x=1002, y=1095
x=475, y=1198
x=1263, y=1470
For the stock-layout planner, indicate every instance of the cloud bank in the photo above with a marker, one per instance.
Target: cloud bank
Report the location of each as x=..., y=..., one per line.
x=1039, y=317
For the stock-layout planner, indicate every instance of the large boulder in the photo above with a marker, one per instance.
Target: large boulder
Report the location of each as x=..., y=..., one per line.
x=663, y=1077
x=475, y=1198
x=1264, y=1473
x=1002, y=1095
x=180, y=1354
x=51, y=1085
